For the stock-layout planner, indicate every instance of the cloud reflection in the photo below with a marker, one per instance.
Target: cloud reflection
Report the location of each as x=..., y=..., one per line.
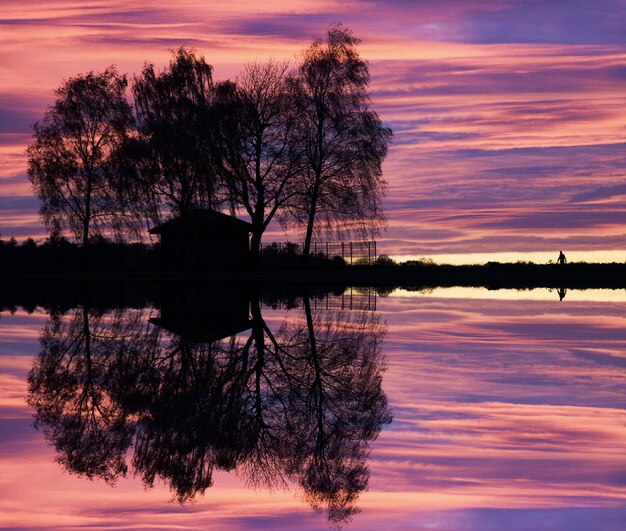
x=199, y=394
x=507, y=409
x=495, y=407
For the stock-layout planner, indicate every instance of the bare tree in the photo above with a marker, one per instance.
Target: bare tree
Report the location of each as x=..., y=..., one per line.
x=171, y=155
x=71, y=164
x=343, y=141
x=255, y=143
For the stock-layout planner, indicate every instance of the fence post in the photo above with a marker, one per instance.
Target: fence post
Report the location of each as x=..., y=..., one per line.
x=350, y=253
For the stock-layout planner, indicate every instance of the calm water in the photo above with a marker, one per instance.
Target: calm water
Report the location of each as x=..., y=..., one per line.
x=449, y=409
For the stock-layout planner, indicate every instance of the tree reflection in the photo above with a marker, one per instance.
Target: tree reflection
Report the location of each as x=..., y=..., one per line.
x=84, y=365
x=295, y=405
x=191, y=416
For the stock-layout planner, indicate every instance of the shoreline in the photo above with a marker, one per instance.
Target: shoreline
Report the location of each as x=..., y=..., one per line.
x=491, y=276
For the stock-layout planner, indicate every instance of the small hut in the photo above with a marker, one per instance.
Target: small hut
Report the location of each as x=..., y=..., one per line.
x=204, y=239
x=204, y=314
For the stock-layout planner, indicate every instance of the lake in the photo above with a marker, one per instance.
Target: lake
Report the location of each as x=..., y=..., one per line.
x=444, y=408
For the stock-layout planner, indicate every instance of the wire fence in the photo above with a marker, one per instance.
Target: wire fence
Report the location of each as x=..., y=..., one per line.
x=363, y=299
x=363, y=252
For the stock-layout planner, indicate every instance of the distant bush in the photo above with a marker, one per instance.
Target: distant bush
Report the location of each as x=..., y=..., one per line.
x=385, y=261
x=289, y=255
x=418, y=262
x=382, y=260
x=56, y=254
x=384, y=291
x=287, y=248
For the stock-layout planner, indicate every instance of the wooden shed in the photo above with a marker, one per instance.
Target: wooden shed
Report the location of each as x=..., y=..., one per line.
x=204, y=239
x=204, y=313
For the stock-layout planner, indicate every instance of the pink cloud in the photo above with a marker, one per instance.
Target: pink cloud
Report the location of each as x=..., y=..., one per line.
x=496, y=136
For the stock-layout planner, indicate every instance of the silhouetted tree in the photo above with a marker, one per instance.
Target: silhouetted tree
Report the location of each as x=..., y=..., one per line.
x=298, y=405
x=315, y=390
x=192, y=422
x=342, y=140
x=171, y=155
x=71, y=163
x=72, y=387
x=337, y=404
x=255, y=146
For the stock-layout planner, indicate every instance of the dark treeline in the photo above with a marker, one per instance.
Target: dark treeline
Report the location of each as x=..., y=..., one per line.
x=298, y=144
x=106, y=293
x=57, y=254
x=493, y=275
x=207, y=385
x=54, y=264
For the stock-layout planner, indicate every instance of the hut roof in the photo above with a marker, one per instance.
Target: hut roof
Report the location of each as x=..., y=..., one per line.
x=200, y=217
x=200, y=330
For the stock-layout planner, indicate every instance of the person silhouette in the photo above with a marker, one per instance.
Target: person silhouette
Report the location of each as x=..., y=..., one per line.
x=562, y=259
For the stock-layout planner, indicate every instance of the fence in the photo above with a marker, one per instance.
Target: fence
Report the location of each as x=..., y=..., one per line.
x=351, y=299
x=351, y=252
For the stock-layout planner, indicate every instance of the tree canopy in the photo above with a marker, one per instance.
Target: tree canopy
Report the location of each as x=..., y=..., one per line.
x=301, y=145
x=72, y=163
x=292, y=404
x=255, y=144
x=342, y=141
x=172, y=148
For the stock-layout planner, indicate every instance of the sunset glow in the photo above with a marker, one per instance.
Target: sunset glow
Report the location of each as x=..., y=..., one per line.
x=313, y=265
x=508, y=117
x=497, y=417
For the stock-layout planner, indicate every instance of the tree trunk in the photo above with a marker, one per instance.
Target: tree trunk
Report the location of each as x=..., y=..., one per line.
x=310, y=225
x=85, y=258
x=317, y=385
x=259, y=342
x=87, y=334
x=255, y=245
x=257, y=228
x=85, y=262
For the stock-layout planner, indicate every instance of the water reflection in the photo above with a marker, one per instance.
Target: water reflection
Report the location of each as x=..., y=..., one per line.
x=209, y=385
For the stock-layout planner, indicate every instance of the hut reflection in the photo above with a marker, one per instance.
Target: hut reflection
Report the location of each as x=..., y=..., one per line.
x=211, y=386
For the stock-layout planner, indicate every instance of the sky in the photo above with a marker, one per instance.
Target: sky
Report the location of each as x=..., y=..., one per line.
x=509, y=116
x=500, y=421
